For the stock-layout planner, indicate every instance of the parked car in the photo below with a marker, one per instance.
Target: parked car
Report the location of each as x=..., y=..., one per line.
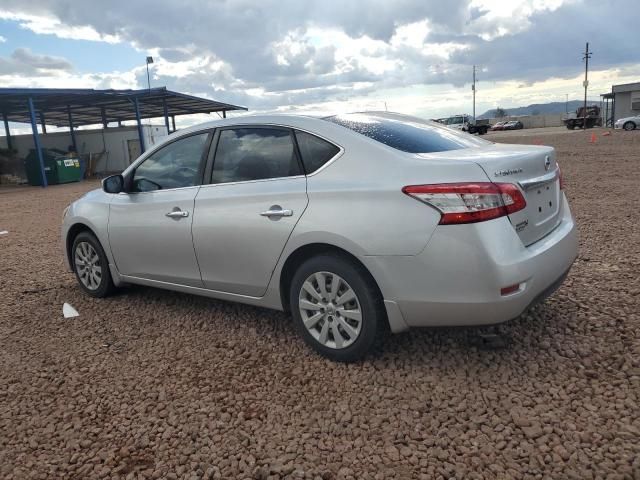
x=498, y=126
x=627, y=123
x=513, y=125
x=356, y=224
x=467, y=123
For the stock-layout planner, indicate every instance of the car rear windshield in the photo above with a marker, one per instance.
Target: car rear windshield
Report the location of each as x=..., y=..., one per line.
x=406, y=133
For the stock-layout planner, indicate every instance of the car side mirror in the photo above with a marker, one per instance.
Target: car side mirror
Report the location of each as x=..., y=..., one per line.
x=113, y=184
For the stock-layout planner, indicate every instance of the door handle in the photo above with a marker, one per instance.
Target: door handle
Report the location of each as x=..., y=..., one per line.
x=276, y=211
x=177, y=214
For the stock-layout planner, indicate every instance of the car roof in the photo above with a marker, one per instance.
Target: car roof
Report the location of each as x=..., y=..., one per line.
x=301, y=121
x=251, y=120
x=286, y=119
x=315, y=124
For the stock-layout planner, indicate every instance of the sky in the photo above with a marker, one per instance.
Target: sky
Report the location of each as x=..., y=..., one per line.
x=327, y=56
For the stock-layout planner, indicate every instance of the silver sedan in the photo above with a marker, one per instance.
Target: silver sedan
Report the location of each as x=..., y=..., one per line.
x=627, y=123
x=357, y=224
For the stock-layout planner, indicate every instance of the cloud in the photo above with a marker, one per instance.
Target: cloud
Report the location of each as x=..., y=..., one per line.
x=24, y=62
x=48, y=25
x=2, y=39
x=552, y=46
x=271, y=54
x=247, y=35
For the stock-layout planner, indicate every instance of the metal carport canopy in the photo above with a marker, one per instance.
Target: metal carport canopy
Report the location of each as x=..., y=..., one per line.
x=83, y=106
x=90, y=107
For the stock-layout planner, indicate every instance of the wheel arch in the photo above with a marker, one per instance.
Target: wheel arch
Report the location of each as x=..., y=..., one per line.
x=303, y=253
x=73, y=231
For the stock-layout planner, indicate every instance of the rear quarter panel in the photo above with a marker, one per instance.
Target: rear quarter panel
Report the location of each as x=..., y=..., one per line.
x=359, y=197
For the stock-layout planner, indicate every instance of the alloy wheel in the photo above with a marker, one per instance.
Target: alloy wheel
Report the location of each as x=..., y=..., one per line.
x=330, y=310
x=88, y=265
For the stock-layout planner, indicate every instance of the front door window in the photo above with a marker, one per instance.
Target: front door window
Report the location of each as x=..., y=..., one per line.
x=177, y=165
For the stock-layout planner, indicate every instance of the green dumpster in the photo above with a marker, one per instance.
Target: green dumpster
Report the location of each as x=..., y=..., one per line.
x=57, y=167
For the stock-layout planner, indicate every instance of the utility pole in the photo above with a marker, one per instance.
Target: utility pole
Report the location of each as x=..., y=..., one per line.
x=473, y=89
x=586, y=57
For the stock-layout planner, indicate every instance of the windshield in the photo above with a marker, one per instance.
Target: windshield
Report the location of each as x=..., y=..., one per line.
x=406, y=133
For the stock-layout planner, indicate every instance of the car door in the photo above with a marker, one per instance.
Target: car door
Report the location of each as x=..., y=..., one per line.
x=244, y=216
x=150, y=225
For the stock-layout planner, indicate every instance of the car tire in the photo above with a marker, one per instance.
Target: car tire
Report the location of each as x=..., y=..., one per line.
x=628, y=126
x=91, y=266
x=343, y=331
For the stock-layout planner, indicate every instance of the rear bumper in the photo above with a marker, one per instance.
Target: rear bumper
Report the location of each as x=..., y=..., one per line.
x=457, y=279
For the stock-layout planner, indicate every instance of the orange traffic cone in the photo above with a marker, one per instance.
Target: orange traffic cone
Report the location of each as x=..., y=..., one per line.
x=593, y=138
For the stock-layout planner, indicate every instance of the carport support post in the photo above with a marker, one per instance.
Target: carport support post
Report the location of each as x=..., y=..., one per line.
x=173, y=122
x=36, y=141
x=104, y=117
x=613, y=108
x=73, y=133
x=140, y=132
x=7, y=132
x=166, y=115
x=224, y=114
x=44, y=125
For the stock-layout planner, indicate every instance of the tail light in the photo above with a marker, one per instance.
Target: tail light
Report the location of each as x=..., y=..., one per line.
x=469, y=202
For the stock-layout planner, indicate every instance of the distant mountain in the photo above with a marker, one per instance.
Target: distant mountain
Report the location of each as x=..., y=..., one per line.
x=539, y=109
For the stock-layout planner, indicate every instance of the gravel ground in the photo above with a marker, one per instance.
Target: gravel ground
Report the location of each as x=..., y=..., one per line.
x=153, y=384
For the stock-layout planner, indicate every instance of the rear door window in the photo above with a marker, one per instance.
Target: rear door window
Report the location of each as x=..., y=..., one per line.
x=315, y=151
x=254, y=153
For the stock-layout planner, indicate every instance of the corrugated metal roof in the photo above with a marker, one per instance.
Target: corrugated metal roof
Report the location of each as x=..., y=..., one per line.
x=627, y=87
x=87, y=105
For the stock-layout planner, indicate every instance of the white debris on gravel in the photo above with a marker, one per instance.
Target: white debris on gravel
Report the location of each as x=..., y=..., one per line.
x=68, y=311
x=4, y=232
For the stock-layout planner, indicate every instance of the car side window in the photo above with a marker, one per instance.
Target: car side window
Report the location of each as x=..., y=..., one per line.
x=315, y=151
x=174, y=166
x=250, y=153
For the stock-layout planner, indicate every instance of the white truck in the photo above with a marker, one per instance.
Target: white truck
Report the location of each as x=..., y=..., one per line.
x=467, y=123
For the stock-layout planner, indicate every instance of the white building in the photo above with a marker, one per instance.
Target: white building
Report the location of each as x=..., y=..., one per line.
x=623, y=101
x=108, y=150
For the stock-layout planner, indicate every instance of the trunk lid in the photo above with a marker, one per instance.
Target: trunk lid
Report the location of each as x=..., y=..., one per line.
x=534, y=169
